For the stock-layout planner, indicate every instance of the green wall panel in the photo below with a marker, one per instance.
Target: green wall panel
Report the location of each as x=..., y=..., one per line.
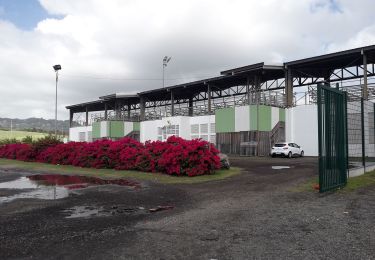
x=265, y=115
x=116, y=129
x=96, y=130
x=253, y=118
x=282, y=114
x=224, y=120
x=136, y=126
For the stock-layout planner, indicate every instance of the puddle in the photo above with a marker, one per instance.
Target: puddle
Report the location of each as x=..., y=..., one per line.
x=79, y=181
x=55, y=186
x=100, y=211
x=86, y=212
x=280, y=167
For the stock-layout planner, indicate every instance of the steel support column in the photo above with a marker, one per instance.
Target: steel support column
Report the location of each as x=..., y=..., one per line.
x=289, y=87
x=105, y=111
x=129, y=108
x=71, y=114
x=248, y=90
x=87, y=116
x=118, y=109
x=209, y=98
x=142, y=107
x=172, y=103
x=190, y=106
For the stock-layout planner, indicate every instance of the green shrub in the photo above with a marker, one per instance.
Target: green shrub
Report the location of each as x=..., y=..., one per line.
x=43, y=143
x=27, y=140
x=8, y=141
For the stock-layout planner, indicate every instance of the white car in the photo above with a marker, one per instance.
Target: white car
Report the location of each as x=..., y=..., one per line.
x=287, y=149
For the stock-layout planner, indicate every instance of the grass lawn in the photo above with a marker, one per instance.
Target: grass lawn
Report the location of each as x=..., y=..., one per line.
x=19, y=135
x=113, y=174
x=365, y=180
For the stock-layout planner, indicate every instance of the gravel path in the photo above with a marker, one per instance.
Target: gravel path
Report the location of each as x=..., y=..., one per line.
x=250, y=216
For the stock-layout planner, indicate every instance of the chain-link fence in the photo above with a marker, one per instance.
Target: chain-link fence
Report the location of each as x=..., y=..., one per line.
x=360, y=126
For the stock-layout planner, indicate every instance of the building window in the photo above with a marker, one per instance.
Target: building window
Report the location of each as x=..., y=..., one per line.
x=213, y=139
x=89, y=136
x=195, y=129
x=203, y=131
x=167, y=131
x=204, y=128
x=213, y=128
x=82, y=136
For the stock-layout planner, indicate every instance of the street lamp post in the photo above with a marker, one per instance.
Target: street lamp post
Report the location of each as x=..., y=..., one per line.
x=166, y=59
x=56, y=68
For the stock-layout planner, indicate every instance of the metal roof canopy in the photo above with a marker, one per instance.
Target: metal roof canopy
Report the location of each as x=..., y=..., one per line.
x=96, y=105
x=321, y=66
x=229, y=78
x=110, y=100
x=318, y=67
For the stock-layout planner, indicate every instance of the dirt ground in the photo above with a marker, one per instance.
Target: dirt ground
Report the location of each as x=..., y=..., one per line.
x=252, y=215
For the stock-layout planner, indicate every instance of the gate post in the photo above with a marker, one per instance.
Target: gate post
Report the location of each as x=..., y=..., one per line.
x=346, y=132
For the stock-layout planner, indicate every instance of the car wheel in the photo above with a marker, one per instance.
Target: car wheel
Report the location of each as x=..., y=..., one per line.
x=290, y=155
x=302, y=154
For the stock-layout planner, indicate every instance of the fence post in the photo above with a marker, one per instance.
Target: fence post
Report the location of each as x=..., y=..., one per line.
x=320, y=136
x=374, y=124
x=363, y=134
x=346, y=131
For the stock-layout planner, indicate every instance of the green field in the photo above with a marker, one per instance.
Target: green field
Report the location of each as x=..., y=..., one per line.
x=20, y=135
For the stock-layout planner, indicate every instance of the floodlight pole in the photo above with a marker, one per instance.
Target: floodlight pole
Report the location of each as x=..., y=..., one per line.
x=166, y=59
x=56, y=68
x=57, y=79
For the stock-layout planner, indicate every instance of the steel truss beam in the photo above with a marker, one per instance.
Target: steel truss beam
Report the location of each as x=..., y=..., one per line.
x=342, y=74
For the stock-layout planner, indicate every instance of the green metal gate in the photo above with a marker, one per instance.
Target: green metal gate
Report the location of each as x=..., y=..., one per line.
x=332, y=133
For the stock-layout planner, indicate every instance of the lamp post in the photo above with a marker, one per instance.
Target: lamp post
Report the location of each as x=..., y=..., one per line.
x=56, y=68
x=166, y=59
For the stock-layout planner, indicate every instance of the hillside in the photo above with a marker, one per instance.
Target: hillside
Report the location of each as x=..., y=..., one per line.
x=34, y=124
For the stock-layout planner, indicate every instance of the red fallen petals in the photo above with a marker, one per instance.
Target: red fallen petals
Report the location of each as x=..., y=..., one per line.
x=176, y=156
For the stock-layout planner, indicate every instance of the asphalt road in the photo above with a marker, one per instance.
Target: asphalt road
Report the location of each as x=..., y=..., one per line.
x=250, y=216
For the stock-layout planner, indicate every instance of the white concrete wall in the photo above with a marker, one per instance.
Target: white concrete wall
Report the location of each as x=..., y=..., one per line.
x=128, y=127
x=242, y=118
x=104, y=129
x=149, y=129
x=274, y=116
x=74, y=133
x=301, y=127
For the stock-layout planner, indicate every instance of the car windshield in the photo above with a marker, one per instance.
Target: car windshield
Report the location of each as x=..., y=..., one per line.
x=279, y=145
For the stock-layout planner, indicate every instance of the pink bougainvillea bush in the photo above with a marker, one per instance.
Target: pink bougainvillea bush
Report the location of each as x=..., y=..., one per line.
x=176, y=156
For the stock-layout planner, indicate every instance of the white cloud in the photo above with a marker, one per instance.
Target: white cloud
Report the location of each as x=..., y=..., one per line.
x=128, y=39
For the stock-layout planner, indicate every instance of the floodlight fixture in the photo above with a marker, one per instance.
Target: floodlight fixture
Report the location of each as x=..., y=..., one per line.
x=166, y=59
x=56, y=67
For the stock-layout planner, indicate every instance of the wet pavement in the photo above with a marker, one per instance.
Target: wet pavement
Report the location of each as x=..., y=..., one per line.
x=54, y=186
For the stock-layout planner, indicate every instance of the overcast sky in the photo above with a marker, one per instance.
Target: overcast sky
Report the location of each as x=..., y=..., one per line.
x=118, y=45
